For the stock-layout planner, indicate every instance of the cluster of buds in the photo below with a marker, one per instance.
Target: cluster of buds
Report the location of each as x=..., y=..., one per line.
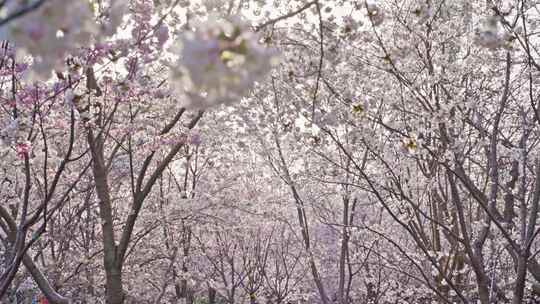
x=409, y=144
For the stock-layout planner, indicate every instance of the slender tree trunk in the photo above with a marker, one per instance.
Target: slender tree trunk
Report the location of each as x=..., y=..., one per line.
x=187, y=294
x=304, y=226
x=111, y=261
x=44, y=285
x=211, y=295
x=342, y=298
x=520, y=280
x=523, y=257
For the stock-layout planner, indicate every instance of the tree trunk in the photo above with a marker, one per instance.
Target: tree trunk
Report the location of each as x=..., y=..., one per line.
x=111, y=260
x=520, y=280
x=211, y=295
x=114, y=291
x=342, y=298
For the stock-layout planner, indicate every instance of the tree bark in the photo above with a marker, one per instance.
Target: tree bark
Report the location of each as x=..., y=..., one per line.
x=211, y=295
x=52, y=296
x=113, y=265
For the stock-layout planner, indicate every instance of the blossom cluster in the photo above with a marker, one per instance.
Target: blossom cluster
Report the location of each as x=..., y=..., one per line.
x=219, y=63
x=489, y=36
x=375, y=13
x=57, y=28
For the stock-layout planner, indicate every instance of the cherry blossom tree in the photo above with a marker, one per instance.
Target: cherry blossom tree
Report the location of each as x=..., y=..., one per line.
x=248, y=151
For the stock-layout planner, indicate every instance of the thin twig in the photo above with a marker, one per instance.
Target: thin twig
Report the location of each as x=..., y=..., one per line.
x=289, y=15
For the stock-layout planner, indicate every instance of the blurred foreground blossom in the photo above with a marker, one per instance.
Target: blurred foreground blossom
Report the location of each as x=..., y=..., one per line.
x=56, y=29
x=375, y=13
x=219, y=63
x=489, y=36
